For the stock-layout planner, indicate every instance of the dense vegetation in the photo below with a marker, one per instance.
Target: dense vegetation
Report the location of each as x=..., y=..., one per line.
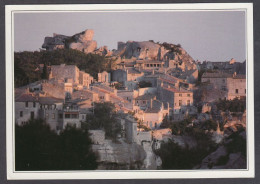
x=104, y=117
x=26, y=63
x=235, y=105
x=186, y=126
x=176, y=157
x=38, y=148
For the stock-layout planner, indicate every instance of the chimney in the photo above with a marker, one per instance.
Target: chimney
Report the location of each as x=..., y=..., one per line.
x=151, y=103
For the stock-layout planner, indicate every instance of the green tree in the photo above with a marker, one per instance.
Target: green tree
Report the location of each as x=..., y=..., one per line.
x=27, y=62
x=38, y=148
x=104, y=116
x=45, y=73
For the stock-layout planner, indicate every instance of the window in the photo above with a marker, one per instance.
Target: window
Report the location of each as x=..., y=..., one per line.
x=46, y=115
x=188, y=102
x=32, y=115
x=180, y=102
x=67, y=116
x=188, y=94
x=21, y=113
x=26, y=104
x=34, y=104
x=144, y=102
x=83, y=117
x=53, y=115
x=223, y=80
x=236, y=90
x=245, y=91
x=180, y=94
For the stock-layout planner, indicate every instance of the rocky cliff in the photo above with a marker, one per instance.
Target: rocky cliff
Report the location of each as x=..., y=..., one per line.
x=81, y=41
x=128, y=50
x=113, y=156
x=155, y=51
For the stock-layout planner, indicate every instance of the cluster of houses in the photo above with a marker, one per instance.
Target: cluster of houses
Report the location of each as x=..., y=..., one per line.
x=69, y=95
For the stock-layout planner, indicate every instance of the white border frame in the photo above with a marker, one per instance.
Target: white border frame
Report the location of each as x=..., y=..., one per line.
x=140, y=174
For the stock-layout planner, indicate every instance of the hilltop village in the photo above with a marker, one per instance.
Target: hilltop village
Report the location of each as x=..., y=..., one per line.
x=152, y=86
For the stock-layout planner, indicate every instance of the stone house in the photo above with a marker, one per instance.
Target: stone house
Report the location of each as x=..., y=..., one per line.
x=155, y=113
x=143, y=102
x=127, y=74
x=180, y=100
x=26, y=107
x=71, y=115
x=104, y=77
x=65, y=72
x=85, y=79
x=51, y=110
x=234, y=85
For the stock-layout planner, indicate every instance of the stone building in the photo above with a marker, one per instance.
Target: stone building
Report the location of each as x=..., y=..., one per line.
x=71, y=115
x=180, y=100
x=155, y=113
x=51, y=111
x=149, y=64
x=65, y=72
x=85, y=79
x=127, y=74
x=26, y=107
x=104, y=77
x=233, y=84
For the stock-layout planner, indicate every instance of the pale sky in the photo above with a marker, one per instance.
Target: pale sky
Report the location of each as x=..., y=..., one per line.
x=207, y=35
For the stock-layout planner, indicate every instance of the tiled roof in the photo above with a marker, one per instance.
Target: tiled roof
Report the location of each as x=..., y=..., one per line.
x=26, y=98
x=216, y=75
x=49, y=100
x=133, y=71
x=156, y=107
x=145, y=97
x=181, y=90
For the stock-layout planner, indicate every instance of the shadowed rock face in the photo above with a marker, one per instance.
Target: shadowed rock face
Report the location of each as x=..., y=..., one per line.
x=80, y=41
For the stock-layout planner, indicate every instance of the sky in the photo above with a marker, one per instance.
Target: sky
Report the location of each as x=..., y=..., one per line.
x=205, y=35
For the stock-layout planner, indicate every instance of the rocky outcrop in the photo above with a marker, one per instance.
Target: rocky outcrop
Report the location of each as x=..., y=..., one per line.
x=81, y=41
x=140, y=50
x=119, y=155
x=155, y=51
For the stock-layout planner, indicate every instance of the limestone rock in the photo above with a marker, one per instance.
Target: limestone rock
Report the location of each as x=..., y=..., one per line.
x=155, y=51
x=80, y=41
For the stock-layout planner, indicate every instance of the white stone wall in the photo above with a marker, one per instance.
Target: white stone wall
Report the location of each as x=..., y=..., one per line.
x=26, y=111
x=184, y=98
x=153, y=120
x=236, y=84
